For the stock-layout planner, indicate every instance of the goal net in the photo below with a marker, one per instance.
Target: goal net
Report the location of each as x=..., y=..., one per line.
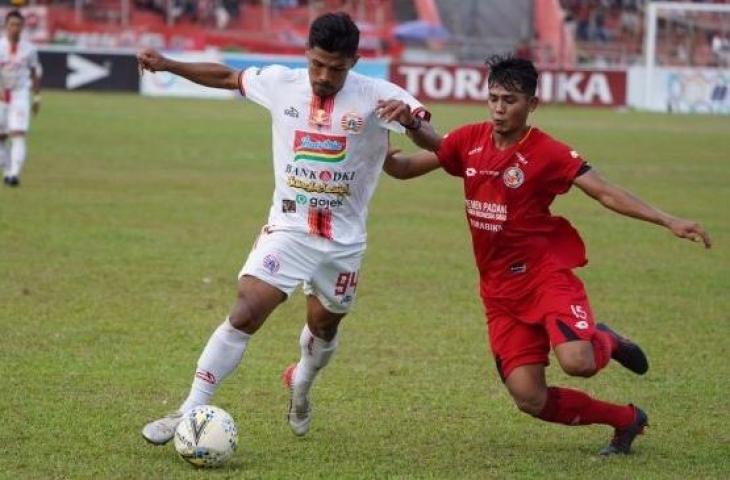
x=687, y=57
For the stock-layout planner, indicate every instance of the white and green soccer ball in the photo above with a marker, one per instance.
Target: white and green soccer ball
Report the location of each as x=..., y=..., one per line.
x=206, y=436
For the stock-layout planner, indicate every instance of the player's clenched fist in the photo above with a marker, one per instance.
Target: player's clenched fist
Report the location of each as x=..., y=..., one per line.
x=152, y=60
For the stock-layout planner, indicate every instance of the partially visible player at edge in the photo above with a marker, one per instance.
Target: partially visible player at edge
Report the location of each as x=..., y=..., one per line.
x=20, y=72
x=512, y=172
x=330, y=139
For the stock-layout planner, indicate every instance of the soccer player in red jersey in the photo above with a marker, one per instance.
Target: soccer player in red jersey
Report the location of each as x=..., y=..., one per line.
x=512, y=172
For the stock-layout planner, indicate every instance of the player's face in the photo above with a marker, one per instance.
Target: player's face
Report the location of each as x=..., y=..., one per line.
x=328, y=71
x=509, y=109
x=13, y=27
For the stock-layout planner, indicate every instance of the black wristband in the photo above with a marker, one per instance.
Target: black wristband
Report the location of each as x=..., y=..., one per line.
x=415, y=125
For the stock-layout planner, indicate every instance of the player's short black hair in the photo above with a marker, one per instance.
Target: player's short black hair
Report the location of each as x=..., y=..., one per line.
x=16, y=14
x=335, y=33
x=514, y=74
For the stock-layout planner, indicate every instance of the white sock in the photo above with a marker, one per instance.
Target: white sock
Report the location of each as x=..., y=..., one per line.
x=316, y=354
x=220, y=357
x=5, y=156
x=17, y=155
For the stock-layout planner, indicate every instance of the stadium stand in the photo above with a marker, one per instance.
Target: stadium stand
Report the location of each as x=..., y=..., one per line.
x=554, y=33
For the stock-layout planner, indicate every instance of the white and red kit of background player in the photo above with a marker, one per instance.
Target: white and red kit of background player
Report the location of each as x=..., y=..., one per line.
x=328, y=155
x=16, y=63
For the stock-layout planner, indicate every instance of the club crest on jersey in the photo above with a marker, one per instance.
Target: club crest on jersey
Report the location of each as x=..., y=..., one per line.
x=317, y=147
x=351, y=122
x=271, y=263
x=513, y=177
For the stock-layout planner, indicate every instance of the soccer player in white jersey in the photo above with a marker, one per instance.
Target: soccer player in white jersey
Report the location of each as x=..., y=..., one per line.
x=330, y=137
x=20, y=72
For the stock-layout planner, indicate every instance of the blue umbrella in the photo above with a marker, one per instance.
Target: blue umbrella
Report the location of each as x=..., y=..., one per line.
x=420, y=30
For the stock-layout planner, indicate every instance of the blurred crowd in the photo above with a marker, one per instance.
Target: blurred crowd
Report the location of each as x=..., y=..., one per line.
x=611, y=32
x=215, y=12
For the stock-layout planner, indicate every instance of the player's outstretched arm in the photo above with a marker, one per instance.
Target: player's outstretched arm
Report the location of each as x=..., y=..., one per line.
x=420, y=131
x=209, y=74
x=619, y=200
x=403, y=167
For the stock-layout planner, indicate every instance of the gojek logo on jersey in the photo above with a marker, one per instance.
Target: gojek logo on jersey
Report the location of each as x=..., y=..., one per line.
x=316, y=147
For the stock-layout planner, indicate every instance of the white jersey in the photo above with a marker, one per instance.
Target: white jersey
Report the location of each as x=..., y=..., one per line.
x=328, y=153
x=16, y=64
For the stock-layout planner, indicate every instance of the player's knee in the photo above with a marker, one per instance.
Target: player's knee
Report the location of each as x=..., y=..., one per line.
x=245, y=316
x=530, y=404
x=325, y=326
x=579, y=367
x=325, y=332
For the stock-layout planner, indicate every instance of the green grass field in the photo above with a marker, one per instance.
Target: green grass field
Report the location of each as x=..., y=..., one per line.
x=119, y=255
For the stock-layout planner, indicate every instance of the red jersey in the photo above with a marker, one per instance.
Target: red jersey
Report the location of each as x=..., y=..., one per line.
x=517, y=241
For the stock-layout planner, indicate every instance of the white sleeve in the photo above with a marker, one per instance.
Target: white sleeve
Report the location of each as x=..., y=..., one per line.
x=260, y=84
x=389, y=91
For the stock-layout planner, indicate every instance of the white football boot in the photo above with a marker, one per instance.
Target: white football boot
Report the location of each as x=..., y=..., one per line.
x=300, y=410
x=161, y=431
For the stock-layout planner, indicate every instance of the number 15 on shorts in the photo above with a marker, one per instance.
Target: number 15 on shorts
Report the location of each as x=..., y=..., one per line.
x=346, y=281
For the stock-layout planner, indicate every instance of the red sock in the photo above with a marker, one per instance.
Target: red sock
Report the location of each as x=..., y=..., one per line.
x=603, y=346
x=573, y=407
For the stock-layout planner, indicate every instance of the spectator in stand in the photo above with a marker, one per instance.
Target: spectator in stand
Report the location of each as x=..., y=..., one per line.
x=281, y=4
x=583, y=21
x=721, y=49
x=599, y=25
x=233, y=7
x=524, y=49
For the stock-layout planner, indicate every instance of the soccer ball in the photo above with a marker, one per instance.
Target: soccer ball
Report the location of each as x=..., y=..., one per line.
x=206, y=436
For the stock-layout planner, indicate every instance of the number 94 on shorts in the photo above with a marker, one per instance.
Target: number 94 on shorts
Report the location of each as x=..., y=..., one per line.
x=326, y=269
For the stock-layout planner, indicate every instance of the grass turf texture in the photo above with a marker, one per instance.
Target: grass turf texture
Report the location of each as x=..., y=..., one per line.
x=119, y=254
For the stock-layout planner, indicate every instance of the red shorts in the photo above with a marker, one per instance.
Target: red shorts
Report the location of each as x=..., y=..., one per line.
x=521, y=332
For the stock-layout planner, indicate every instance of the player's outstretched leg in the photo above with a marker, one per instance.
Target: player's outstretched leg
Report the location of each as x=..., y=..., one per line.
x=5, y=158
x=223, y=352
x=623, y=438
x=221, y=355
x=571, y=407
x=299, y=414
x=17, y=159
x=625, y=351
x=161, y=431
x=299, y=377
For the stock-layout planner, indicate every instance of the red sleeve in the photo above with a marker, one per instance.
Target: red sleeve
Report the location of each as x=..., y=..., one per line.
x=449, y=153
x=567, y=165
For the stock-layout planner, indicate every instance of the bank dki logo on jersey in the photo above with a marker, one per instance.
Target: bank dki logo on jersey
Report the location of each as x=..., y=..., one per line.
x=317, y=147
x=513, y=177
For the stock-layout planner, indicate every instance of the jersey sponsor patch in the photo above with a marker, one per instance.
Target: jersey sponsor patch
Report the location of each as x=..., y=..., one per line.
x=288, y=206
x=517, y=268
x=317, y=147
x=291, y=112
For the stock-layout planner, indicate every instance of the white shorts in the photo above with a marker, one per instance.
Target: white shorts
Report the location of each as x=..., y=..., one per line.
x=15, y=114
x=327, y=269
